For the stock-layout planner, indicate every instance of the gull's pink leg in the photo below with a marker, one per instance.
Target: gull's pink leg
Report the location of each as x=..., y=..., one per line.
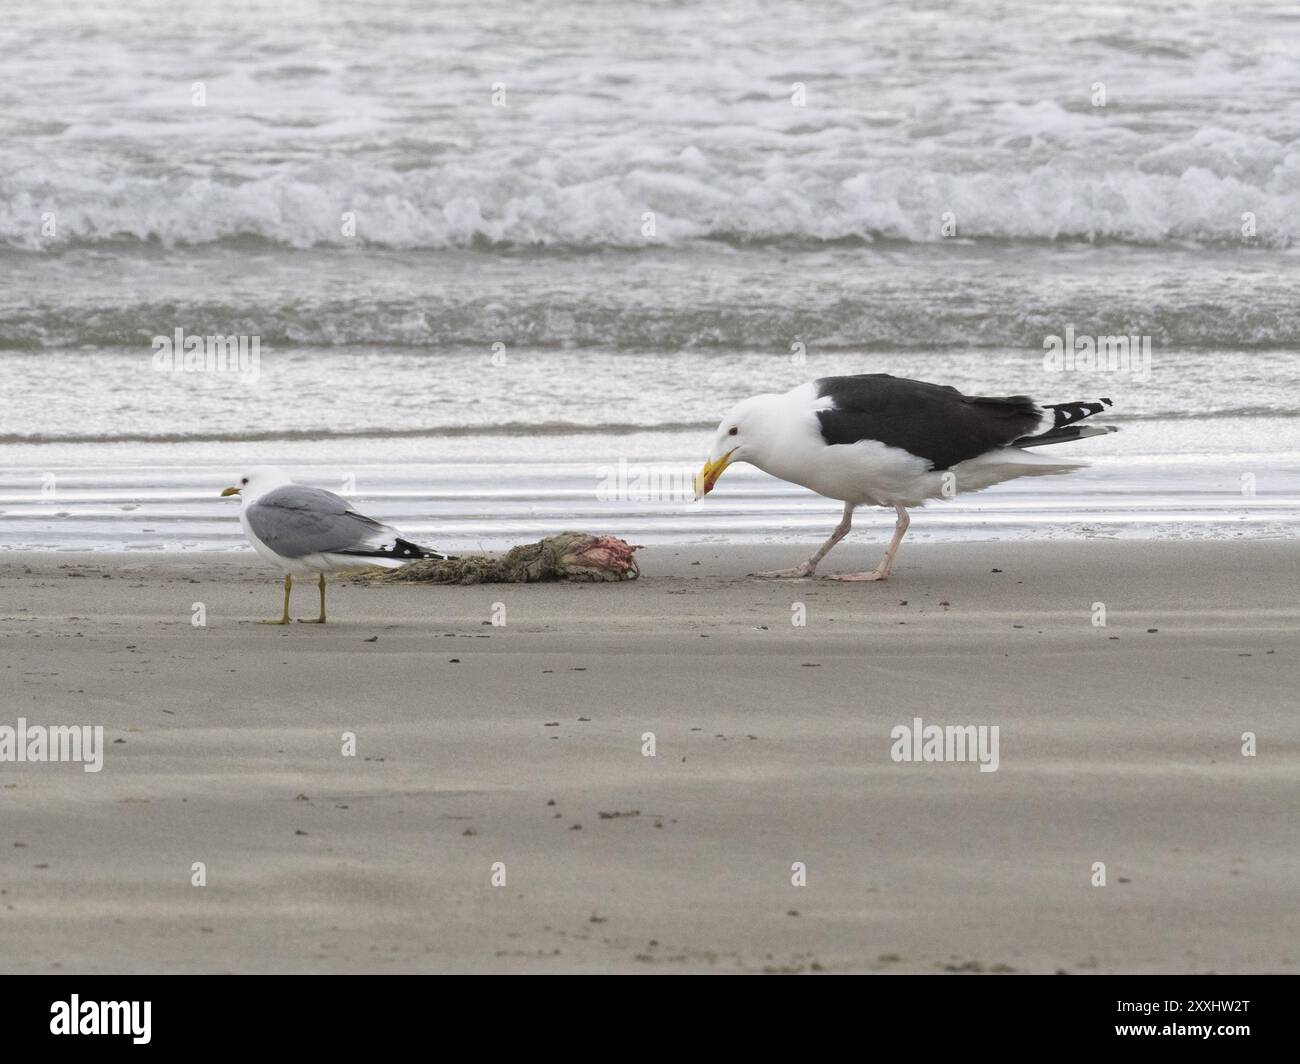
x=809, y=567
x=886, y=563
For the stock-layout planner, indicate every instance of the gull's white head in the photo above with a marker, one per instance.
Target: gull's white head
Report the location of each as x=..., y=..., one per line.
x=257, y=482
x=744, y=435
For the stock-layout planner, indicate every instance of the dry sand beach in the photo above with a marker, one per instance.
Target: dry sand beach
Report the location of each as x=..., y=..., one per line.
x=522, y=744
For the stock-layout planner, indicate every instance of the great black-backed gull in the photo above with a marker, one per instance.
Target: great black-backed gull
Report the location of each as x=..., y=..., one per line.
x=878, y=440
x=307, y=530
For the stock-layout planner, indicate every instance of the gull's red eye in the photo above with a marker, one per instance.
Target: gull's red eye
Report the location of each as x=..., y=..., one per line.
x=732, y=431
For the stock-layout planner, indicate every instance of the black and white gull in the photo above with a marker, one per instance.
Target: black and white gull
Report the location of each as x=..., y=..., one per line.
x=878, y=440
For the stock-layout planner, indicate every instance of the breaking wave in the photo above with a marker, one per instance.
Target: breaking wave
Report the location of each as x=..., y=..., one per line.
x=1166, y=197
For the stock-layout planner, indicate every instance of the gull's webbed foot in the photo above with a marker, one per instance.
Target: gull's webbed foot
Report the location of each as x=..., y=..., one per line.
x=800, y=571
x=875, y=574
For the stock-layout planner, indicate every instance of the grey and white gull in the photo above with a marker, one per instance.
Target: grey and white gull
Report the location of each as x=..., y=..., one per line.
x=307, y=531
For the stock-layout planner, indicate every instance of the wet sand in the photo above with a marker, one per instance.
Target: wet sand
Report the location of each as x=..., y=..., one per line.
x=523, y=744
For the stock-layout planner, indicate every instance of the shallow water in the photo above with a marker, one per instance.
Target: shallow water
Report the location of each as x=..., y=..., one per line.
x=475, y=313
x=491, y=492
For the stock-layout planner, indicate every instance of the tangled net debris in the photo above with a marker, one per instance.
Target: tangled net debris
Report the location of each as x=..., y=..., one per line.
x=567, y=556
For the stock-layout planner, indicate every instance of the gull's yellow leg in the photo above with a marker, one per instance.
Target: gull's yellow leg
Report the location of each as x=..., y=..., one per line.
x=284, y=617
x=321, y=618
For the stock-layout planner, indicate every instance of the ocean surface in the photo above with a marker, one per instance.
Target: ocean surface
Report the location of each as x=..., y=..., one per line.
x=500, y=267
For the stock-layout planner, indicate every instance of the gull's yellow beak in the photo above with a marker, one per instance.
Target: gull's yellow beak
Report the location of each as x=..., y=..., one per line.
x=230, y=491
x=708, y=476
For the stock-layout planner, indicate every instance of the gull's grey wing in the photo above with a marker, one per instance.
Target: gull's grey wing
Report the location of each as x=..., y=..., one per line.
x=297, y=520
